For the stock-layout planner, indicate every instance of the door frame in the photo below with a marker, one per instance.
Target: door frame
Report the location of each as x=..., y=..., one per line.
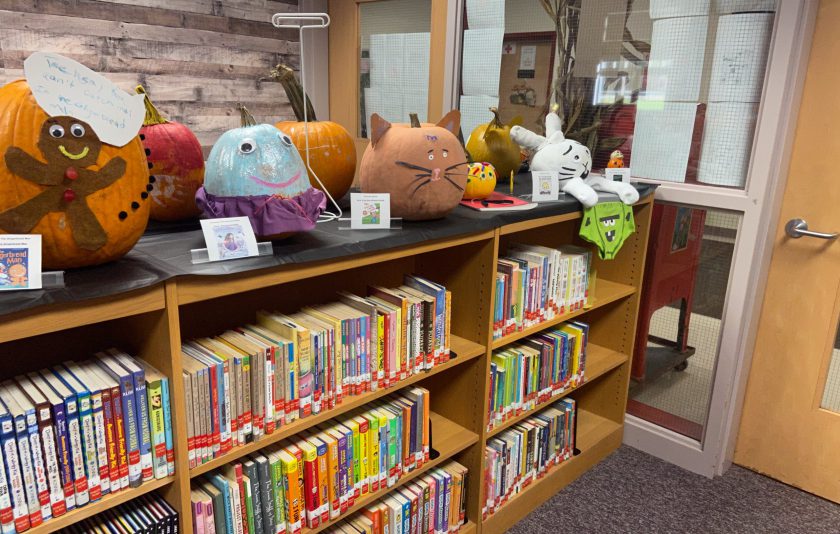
x=758, y=206
x=344, y=64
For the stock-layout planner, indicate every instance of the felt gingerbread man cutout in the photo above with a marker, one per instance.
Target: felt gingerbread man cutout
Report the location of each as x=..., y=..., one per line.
x=68, y=145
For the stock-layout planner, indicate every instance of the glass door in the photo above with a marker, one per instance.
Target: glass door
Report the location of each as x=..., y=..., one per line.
x=696, y=97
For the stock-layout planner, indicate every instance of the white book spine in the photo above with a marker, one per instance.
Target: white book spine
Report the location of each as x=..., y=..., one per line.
x=38, y=466
x=101, y=443
x=27, y=470
x=89, y=437
x=51, y=463
x=269, y=388
x=7, y=525
x=16, y=485
x=82, y=495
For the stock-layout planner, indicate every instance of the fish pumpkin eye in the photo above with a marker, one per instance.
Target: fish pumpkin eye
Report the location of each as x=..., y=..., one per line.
x=247, y=146
x=77, y=130
x=57, y=131
x=286, y=140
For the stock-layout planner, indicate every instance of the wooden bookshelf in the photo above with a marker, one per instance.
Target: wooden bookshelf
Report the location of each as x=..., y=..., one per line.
x=599, y=361
x=450, y=439
x=466, y=351
x=597, y=437
x=106, y=502
x=151, y=324
x=606, y=292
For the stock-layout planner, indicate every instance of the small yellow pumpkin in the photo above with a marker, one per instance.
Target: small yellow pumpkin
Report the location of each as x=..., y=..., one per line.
x=481, y=181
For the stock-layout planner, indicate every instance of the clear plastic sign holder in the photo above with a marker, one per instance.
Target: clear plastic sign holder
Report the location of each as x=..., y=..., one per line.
x=200, y=255
x=52, y=280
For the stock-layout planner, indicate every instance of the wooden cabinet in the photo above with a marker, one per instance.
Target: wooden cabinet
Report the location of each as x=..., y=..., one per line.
x=151, y=323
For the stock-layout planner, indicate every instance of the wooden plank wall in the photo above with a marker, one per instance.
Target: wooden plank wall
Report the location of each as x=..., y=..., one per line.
x=196, y=58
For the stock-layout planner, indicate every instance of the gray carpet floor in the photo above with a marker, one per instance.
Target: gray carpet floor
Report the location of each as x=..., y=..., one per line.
x=634, y=492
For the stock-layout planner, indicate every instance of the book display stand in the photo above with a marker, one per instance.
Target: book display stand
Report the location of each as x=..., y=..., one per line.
x=173, y=300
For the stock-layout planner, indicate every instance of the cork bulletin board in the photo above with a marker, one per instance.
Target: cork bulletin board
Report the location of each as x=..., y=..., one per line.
x=525, y=80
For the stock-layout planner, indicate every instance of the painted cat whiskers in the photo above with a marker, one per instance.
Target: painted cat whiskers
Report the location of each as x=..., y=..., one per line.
x=432, y=175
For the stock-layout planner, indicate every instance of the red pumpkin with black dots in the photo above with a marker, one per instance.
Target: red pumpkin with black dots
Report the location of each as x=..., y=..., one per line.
x=176, y=165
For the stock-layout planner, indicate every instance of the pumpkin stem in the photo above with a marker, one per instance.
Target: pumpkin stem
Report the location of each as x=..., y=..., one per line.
x=294, y=92
x=496, y=122
x=247, y=118
x=415, y=120
x=153, y=116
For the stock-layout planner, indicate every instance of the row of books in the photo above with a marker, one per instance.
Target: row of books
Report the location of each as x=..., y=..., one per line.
x=526, y=374
x=317, y=475
x=255, y=379
x=147, y=514
x=433, y=504
x=535, y=284
x=80, y=430
x=525, y=452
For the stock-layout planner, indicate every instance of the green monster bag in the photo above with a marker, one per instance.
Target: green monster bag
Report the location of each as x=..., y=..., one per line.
x=607, y=225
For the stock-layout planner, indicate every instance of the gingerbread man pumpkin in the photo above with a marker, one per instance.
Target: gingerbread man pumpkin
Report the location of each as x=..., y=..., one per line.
x=88, y=199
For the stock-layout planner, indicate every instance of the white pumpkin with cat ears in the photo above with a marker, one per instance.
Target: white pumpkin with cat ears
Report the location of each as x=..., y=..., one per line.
x=572, y=160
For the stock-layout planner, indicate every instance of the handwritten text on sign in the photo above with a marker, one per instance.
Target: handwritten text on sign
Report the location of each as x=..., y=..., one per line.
x=62, y=86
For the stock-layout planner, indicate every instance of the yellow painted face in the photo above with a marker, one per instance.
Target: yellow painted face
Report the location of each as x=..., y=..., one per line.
x=481, y=181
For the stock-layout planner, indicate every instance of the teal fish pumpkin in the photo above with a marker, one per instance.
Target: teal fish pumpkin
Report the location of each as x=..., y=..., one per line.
x=255, y=171
x=256, y=159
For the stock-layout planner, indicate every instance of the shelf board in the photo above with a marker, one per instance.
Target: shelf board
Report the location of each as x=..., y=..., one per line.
x=199, y=288
x=449, y=439
x=467, y=528
x=465, y=349
x=599, y=361
x=71, y=315
x=597, y=437
x=606, y=292
x=106, y=502
x=512, y=228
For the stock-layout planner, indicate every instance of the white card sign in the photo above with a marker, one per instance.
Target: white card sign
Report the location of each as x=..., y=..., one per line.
x=546, y=186
x=370, y=211
x=618, y=175
x=62, y=86
x=20, y=261
x=229, y=238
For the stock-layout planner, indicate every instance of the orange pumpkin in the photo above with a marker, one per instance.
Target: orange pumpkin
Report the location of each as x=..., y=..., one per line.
x=332, y=152
x=481, y=181
x=422, y=167
x=177, y=165
x=616, y=160
x=114, y=215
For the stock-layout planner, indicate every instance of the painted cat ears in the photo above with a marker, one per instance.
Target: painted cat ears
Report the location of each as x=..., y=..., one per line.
x=378, y=126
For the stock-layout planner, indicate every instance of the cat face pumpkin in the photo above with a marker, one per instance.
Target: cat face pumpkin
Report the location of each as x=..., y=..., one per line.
x=422, y=168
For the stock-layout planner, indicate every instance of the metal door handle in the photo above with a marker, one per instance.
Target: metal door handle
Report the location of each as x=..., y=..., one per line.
x=797, y=228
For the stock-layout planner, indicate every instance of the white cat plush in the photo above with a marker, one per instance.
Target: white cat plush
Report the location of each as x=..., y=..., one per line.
x=572, y=160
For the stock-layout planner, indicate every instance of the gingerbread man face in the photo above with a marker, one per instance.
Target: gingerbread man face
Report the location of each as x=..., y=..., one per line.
x=68, y=141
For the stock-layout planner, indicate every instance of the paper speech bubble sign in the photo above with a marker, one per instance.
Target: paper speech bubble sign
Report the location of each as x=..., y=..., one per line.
x=62, y=86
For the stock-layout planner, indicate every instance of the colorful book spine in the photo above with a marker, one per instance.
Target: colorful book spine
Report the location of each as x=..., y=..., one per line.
x=17, y=490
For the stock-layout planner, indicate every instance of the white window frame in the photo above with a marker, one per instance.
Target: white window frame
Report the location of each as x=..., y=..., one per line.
x=758, y=206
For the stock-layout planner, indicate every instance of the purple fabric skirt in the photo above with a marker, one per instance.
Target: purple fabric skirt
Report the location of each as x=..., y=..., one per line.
x=269, y=215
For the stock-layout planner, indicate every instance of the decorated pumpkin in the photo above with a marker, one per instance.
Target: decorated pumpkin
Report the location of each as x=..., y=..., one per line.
x=616, y=160
x=491, y=142
x=87, y=199
x=422, y=167
x=332, y=152
x=177, y=165
x=481, y=181
x=256, y=171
